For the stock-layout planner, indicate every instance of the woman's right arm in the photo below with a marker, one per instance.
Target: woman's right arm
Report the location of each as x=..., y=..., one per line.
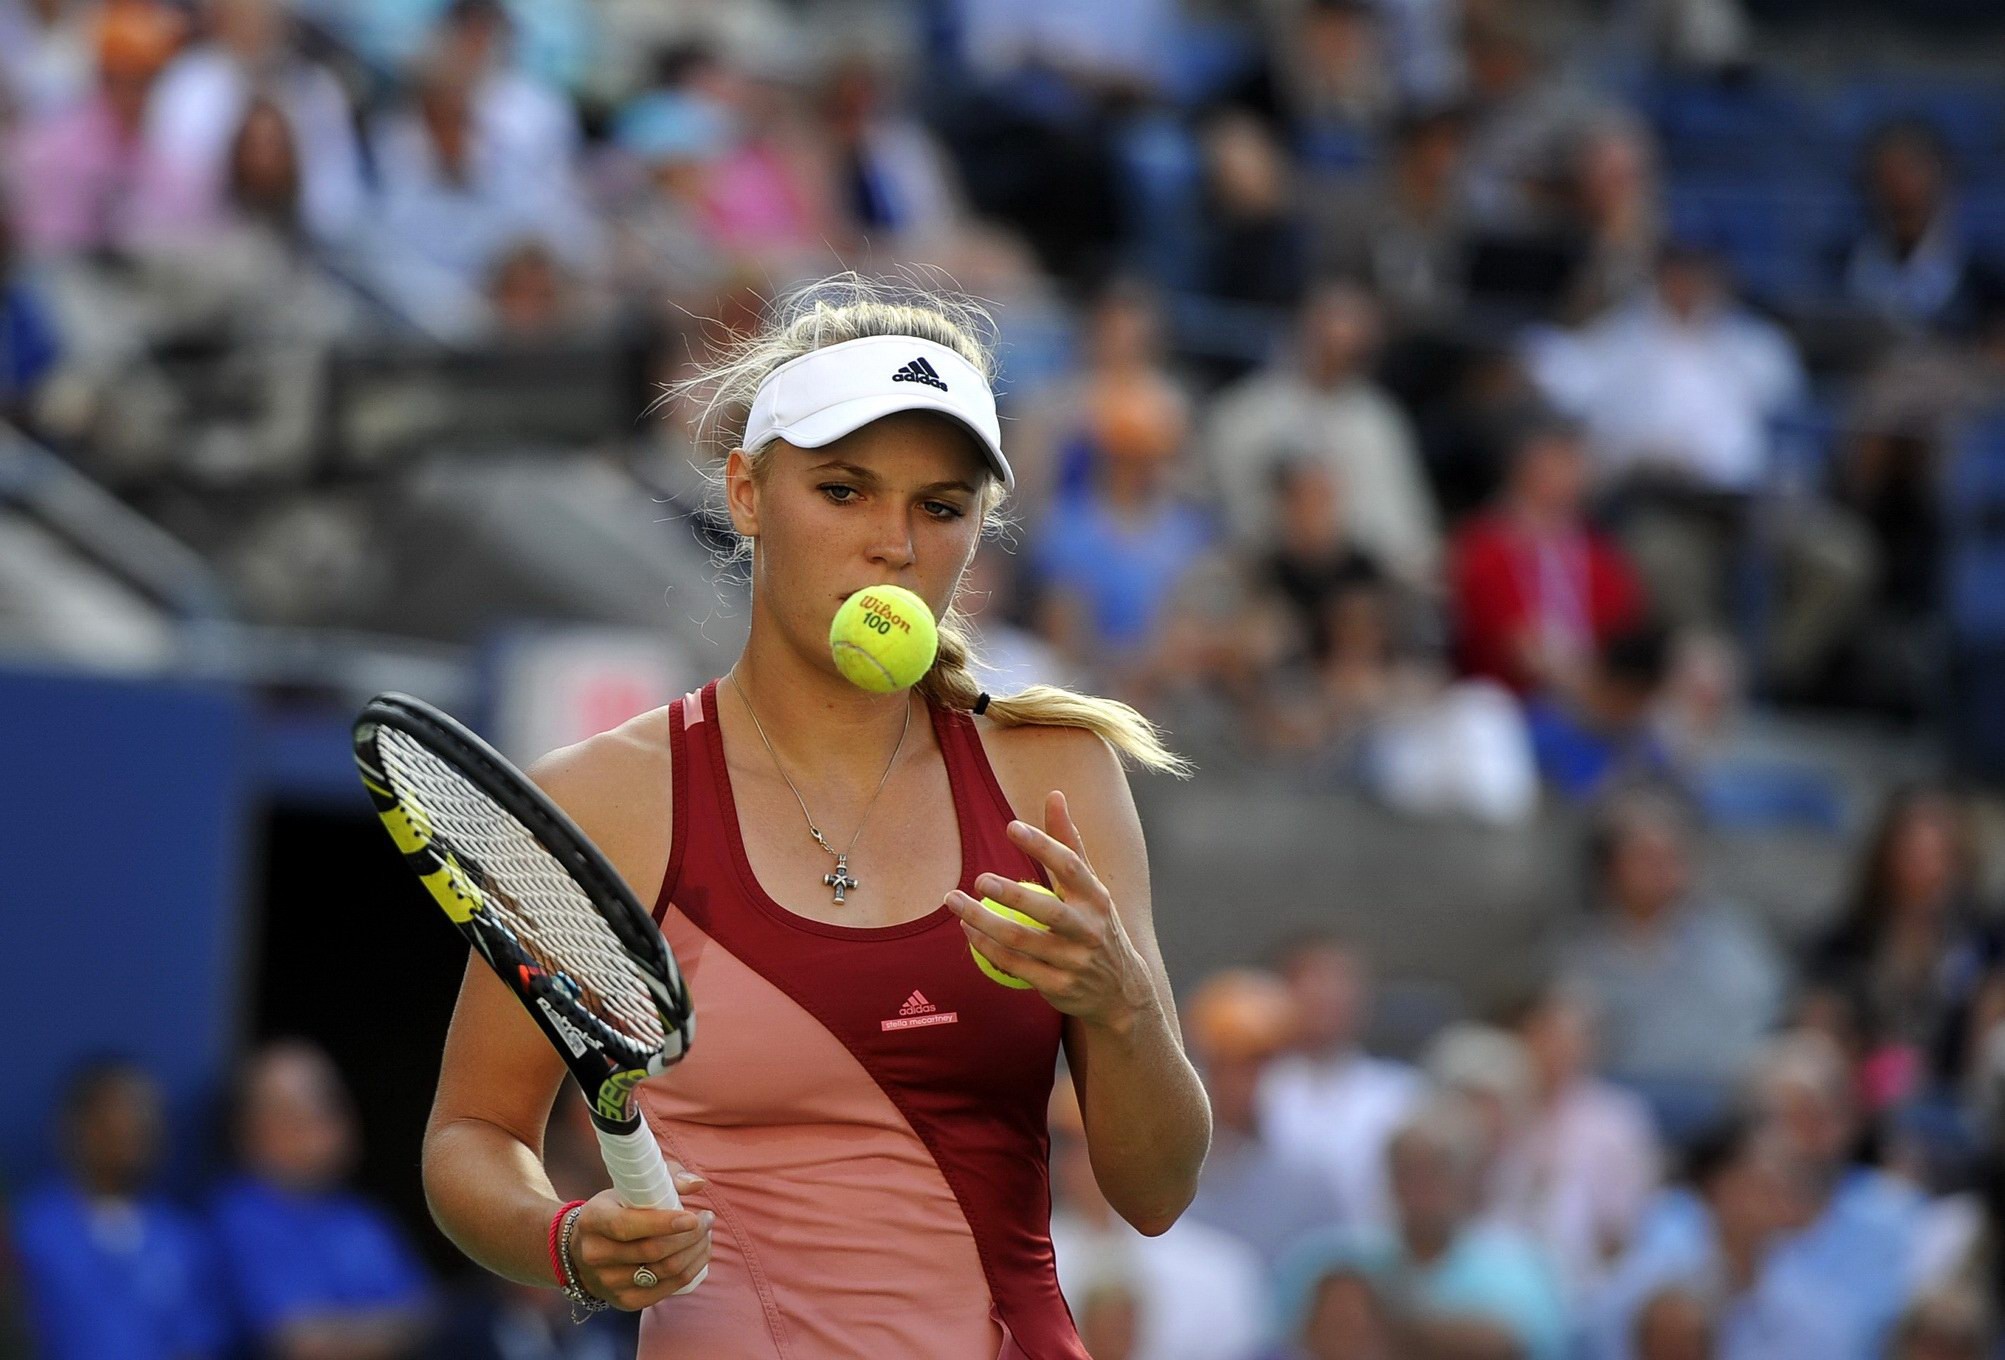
x=483, y=1150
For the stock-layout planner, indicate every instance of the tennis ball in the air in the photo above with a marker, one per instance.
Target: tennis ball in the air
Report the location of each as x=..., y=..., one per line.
x=883, y=639
x=1012, y=914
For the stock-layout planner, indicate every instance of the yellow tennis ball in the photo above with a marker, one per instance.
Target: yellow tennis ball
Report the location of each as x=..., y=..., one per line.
x=1010, y=913
x=883, y=639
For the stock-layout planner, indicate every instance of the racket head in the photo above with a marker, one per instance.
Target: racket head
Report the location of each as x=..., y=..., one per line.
x=533, y=896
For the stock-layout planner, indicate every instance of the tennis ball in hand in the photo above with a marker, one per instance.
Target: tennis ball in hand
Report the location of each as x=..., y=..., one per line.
x=883, y=639
x=1010, y=913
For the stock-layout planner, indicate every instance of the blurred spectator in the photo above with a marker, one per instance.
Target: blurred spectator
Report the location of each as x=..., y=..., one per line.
x=1680, y=393
x=317, y=1273
x=45, y=55
x=1106, y=564
x=1120, y=341
x=531, y=296
x=1602, y=732
x=1712, y=37
x=1911, y=265
x=1684, y=987
x=1611, y=206
x=84, y=177
x=1380, y=709
x=1537, y=592
x=1253, y=245
x=1580, y=1171
x=773, y=194
x=1330, y=1102
x=29, y=345
x=452, y=200
x=1193, y=1293
x=1946, y=1326
x=1911, y=953
x=896, y=188
x=1716, y=1243
x=1525, y=113
x=203, y=97
x=1857, y=1227
x=1341, y=1317
x=1324, y=82
x=1404, y=231
x=527, y=132
x=1680, y=386
x=1237, y=1022
x=1453, y=1286
x=1321, y=404
x=110, y=1270
x=1312, y=561
x=1675, y=1323
x=1490, y=1069
x=663, y=242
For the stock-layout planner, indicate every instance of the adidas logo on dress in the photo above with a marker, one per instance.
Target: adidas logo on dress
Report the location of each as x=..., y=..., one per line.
x=919, y=371
x=918, y=1011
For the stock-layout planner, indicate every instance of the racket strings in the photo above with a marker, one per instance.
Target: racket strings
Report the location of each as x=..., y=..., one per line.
x=526, y=888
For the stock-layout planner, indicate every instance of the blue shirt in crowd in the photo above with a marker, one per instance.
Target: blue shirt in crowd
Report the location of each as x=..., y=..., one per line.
x=1122, y=569
x=1488, y=1273
x=1789, y=1313
x=115, y=1280
x=291, y=1256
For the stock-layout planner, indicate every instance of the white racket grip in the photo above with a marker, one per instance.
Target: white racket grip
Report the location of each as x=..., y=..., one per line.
x=640, y=1175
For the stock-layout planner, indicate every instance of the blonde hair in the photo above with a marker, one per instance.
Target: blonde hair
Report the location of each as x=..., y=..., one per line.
x=846, y=307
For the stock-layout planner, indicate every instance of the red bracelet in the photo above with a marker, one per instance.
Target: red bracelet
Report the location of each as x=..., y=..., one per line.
x=556, y=1262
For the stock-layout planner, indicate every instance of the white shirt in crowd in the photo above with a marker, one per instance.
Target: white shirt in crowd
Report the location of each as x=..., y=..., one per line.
x=1356, y=431
x=1200, y=1294
x=1578, y=1178
x=1338, y=1115
x=1698, y=396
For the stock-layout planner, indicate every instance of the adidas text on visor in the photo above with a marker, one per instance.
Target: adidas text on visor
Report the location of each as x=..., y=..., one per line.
x=830, y=392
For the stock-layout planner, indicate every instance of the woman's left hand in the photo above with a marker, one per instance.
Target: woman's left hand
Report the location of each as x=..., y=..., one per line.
x=1085, y=965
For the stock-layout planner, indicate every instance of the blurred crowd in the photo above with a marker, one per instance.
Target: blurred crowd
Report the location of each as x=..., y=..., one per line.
x=277, y=1257
x=1475, y=404
x=1680, y=1142
x=1445, y=398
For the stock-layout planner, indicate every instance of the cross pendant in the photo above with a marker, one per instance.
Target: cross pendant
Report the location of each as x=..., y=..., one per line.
x=840, y=879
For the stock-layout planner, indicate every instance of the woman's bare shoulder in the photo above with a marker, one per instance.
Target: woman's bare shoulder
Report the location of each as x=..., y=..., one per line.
x=1031, y=759
x=619, y=787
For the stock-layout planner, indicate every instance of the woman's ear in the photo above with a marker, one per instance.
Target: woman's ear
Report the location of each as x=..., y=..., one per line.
x=741, y=493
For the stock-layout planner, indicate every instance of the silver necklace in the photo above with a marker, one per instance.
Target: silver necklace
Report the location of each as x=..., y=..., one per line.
x=840, y=880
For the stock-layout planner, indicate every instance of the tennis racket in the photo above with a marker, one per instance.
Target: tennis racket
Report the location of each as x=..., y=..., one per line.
x=548, y=913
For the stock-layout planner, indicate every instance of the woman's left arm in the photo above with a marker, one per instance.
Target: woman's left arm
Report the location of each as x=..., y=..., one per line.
x=1148, y=1123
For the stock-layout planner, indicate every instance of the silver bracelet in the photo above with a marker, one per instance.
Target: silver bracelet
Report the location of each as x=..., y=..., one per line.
x=574, y=1291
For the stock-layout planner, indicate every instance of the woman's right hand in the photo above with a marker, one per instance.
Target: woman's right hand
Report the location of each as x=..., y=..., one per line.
x=611, y=1242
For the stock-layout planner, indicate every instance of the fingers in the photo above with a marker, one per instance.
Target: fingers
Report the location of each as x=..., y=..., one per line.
x=1032, y=969
x=1058, y=821
x=1069, y=870
x=606, y=1265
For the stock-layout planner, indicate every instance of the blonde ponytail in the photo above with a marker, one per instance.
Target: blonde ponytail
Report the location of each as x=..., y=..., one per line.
x=847, y=307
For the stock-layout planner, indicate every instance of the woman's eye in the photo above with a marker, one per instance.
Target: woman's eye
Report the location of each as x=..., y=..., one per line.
x=934, y=507
x=838, y=493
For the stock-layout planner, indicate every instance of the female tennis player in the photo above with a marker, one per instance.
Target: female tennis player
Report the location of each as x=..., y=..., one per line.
x=859, y=1132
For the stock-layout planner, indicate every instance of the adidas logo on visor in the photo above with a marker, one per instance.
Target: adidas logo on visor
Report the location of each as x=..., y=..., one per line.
x=919, y=371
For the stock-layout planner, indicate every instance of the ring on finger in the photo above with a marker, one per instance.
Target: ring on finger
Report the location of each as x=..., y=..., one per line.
x=645, y=1278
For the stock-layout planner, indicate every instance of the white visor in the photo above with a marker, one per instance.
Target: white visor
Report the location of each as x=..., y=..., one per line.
x=830, y=392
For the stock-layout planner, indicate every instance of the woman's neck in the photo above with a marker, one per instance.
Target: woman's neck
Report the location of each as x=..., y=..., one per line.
x=825, y=731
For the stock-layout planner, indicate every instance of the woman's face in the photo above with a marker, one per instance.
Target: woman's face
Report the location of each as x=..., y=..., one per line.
x=1922, y=866
x=898, y=502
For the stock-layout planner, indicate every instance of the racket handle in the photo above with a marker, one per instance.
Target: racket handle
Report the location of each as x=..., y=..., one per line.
x=640, y=1175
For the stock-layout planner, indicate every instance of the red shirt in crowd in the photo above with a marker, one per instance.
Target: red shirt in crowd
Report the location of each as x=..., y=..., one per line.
x=1572, y=587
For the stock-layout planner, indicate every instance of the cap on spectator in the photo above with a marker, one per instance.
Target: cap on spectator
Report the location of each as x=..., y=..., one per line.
x=1242, y=1013
x=670, y=127
x=135, y=38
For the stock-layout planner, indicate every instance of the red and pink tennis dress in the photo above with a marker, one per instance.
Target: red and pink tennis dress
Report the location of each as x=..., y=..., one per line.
x=868, y=1108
